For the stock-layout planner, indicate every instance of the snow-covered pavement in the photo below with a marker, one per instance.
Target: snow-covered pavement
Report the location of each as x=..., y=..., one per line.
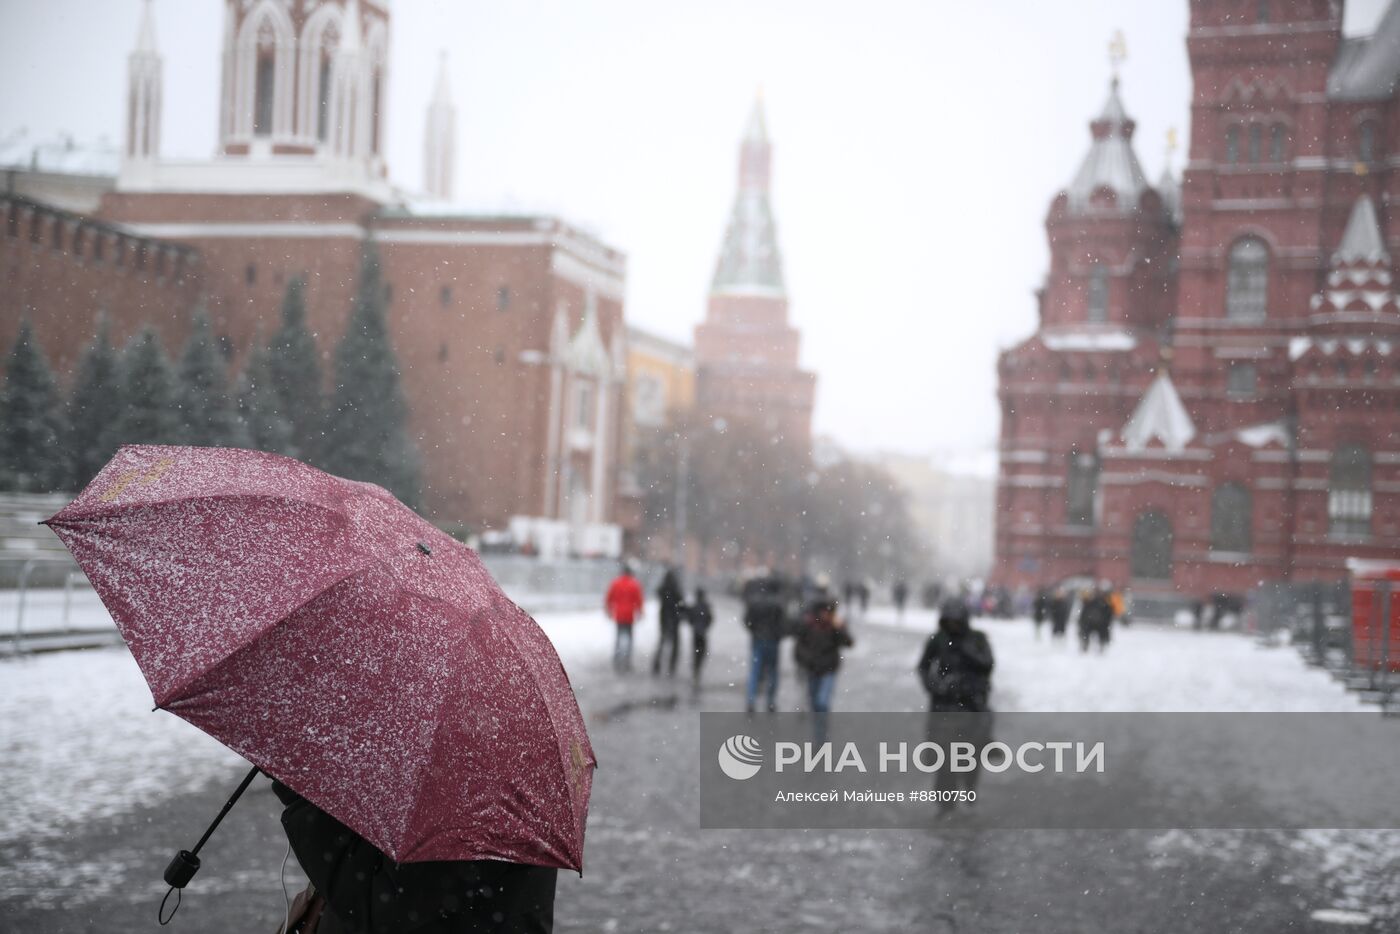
x=84, y=760
x=1146, y=668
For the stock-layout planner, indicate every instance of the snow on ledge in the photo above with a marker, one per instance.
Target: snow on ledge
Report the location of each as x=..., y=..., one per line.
x=1097, y=340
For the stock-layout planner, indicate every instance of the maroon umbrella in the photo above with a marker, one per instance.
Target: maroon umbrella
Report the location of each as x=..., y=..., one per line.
x=343, y=645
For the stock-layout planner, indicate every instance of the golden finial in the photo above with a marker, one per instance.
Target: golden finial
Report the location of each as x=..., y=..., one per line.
x=1172, y=143
x=1117, y=52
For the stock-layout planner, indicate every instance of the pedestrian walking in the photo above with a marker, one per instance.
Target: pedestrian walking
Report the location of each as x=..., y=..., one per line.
x=668, y=645
x=818, y=654
x=1059, y=613
x=766, y=621
x=624, y=604
x=1095, y=619
x=901, y=595
x=1040, y=610
x=701, y=615
x=955, y=670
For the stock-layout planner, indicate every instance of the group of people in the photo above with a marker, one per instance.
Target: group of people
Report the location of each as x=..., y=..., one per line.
x=625, y=602
x=1099, y=607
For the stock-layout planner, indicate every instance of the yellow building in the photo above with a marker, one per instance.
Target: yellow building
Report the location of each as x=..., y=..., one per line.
x=660, y=377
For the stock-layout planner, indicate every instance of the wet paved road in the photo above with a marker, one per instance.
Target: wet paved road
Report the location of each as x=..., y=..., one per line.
x=650, y=869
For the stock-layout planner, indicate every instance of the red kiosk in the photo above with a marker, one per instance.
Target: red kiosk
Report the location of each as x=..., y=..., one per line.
x=1375, y=614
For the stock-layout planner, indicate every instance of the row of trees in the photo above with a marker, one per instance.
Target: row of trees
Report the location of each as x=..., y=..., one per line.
x=751, y=495
x=137, y=395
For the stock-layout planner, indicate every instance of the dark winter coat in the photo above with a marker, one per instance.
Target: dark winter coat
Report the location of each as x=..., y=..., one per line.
x=701, y=615
x=1059, y=613
x=1096, y=615
x=818, y=649
x=366, y=891
x=957, y=671
x=765, y=618
x=672, y=599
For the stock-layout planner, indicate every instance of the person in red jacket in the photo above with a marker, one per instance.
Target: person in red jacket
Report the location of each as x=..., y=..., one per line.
x=624, y=605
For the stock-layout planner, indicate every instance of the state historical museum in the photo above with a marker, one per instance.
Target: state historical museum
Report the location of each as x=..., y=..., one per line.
x=1212, y=398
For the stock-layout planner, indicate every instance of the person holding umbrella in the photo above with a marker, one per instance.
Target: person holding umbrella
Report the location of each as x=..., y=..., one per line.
x=420, y=726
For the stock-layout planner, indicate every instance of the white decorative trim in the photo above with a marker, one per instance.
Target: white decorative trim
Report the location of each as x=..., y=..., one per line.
x=272, y=231
x=1154, y=476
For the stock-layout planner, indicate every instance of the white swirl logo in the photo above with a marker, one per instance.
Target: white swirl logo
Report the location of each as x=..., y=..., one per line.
x=741, y=757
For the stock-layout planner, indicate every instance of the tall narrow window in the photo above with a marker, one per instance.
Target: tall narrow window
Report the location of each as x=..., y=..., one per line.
x=1232, y=145
x=1081, y=488
x=1151, y=557
x=1349, y=491
x=1247, y=286
x=1277, y=142
x=376, y=92
x=1231, y=517
x=1256, y=142
x=503, y=298
x=1366, y=142
x=323, y=99
x=1262, y=14
x=1098, y=293
x=262, y=93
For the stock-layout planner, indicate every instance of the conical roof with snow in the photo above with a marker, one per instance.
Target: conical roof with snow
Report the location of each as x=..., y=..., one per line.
x=1360, y=278
x=749, y=259
x=1110, y=163
x=1160, y=417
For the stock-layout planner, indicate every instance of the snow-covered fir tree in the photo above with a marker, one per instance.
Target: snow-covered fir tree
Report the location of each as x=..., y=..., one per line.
x=95, y=407
x=152, y=414
x=368, y=417
x=208, y=412
x=33, y=458
x=295, y=364
x=260, y=406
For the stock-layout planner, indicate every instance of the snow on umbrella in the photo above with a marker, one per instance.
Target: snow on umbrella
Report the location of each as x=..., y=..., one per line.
x=343, y=645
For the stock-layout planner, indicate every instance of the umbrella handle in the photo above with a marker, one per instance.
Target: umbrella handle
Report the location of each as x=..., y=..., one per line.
x=186, y=862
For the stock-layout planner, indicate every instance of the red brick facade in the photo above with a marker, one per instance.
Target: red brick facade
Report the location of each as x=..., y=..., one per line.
x=1212, y=399
x=508, y=330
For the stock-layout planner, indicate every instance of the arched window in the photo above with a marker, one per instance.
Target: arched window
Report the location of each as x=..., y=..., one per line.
x=1152, y=547
x=264, y=86
x=323, y=98
x=1248, y=284
x=1278, y=140
x=1349, y=491
x=1081, y=488
x=1232, y=145
x=1098, y=294
x=1231, y=518
x=1256, y=142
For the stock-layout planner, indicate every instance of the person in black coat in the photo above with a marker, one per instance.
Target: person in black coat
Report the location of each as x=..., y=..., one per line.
x=765, y=617
x=365, y=891
x=701, y=615
x=956, y=671
x=1059, y=612
x=672, y=599
x=1095, y=619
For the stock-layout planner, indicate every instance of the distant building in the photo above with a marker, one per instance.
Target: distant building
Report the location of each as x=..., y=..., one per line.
x=954, y=512
x=1212, y=397
x=660, y=378
x=509, y=330
x=60, y=172
x=746, y=351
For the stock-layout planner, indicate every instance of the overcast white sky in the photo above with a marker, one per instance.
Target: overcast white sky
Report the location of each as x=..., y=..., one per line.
x=917, y=146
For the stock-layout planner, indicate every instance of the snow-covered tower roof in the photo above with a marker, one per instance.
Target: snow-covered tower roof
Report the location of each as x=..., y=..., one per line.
x=1111, y=164
x=1160, y=416
x=749, y=258
x=1360, y=279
